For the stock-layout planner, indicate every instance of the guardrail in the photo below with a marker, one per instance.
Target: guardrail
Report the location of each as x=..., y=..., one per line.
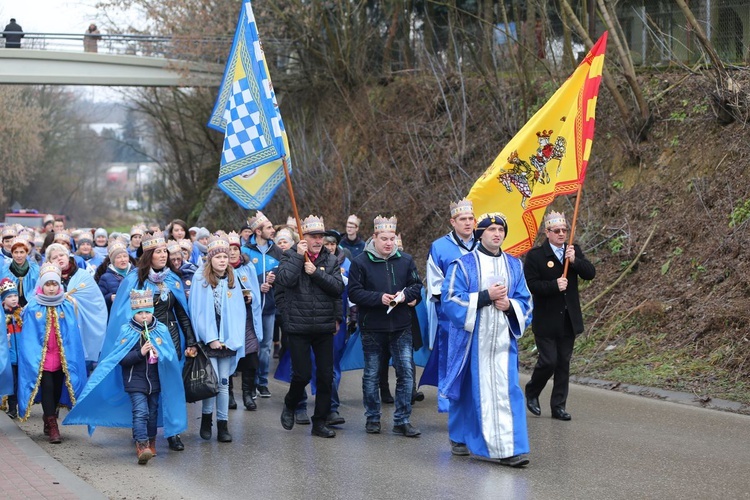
x=212, y=49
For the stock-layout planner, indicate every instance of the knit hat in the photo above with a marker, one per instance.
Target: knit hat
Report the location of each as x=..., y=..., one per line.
x=49, y=272
x=116, y=248
x=7, y=288
x=217, y=245
x=84, y=238
x=141, y=301
x=202, y=233
x=486, y=220
x=100, y=232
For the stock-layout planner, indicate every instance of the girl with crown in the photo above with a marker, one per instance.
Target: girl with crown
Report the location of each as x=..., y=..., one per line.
x=51, y=360
x=218, y=315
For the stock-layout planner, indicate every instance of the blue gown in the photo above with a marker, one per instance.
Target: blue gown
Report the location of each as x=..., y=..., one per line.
x=27, y=283
x=104, y=401
x=31, y=352
x=90, y=310
x=487, y=410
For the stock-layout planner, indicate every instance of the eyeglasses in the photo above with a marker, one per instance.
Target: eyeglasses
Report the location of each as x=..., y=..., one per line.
x=558, y=231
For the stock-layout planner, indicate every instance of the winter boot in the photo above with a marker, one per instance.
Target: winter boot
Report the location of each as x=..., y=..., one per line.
x=143, y=452
x=152, y=445
x=248, y=390
x=232, y=402
x=206, y=424
x=222, y=433
x=54, y=432
x=12, y=406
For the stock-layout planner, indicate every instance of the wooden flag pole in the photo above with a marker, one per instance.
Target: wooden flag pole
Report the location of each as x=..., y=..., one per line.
x=291, y=195
x=573, y=227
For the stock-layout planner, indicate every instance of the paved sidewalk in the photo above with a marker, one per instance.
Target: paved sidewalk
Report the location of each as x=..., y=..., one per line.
x=28, y=472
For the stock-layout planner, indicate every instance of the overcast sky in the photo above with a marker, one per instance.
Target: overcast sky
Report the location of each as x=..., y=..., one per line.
x=49, y=16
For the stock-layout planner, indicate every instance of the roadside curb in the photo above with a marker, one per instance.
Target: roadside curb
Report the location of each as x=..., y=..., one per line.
x=666, y=395
x=33, y=452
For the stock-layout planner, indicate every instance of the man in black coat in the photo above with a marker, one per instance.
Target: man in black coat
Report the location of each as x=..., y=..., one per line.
x=310, y=278
x=13, y=34
x=384, y=283
x=557, y=312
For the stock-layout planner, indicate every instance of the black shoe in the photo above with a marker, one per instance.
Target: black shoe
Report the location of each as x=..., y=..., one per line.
x=561, y=414
x=532, y=404
x=386, y=397
x=459, y=449
x=322, y=430
x=418, y=396
x=206, y=424
x=514, y=461
x=263, y=391
x=13, y=411
x=287, y=418
x=334, y=418
x=406, y=429
x=248, y=401
x=232, y=402
x=301, y=418
x=175, y=443
x=222, y=432
x=372, y=427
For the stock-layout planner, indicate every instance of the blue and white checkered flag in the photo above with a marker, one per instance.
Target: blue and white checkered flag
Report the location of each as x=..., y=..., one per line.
x=246, y=110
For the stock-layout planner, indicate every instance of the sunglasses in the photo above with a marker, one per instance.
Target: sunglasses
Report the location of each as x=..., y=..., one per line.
x=558, y=231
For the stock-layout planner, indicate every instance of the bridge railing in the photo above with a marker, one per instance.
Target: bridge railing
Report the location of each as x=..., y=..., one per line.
x=212, y=49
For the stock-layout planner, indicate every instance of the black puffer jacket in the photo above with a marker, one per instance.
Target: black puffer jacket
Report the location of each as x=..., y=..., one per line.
x=311, y=302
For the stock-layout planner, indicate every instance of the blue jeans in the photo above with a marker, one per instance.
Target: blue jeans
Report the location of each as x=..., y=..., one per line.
x=221, y=367
x=335, y=403
x=264, y=349
x=397, y=345
x=145, y=411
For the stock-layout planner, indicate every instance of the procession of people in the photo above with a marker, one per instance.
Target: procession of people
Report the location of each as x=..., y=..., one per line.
x=124, y=330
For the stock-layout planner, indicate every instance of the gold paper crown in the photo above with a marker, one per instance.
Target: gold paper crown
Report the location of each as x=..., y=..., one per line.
x=137, y=229
x=7, y=285
x=383, y=224
x=153, y=241
x=186, y=244
x=173, y=247
x=217, y=245
x=49, y=267
x=354, y=220
x=257, y=221
x=9, y=232
x=291, y=222
x=462, y=207
x=22, y=239
x=115, y=248
x=234, y=239
x=62, y=236
x=554, y=218
x=141, y=299
x=313, y=224
x=399, y=242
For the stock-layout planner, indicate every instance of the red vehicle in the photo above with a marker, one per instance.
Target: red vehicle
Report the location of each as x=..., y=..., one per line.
x=28, y=218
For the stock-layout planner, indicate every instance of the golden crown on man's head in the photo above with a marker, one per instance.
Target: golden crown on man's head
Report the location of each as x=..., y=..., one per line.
x=464, y=206
x=353, y=219
x=313, y=224
x=257, y=221
x=554, y=219
x=383, y=224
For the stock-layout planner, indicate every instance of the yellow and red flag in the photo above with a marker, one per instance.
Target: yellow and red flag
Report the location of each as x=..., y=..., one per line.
x=547, y=157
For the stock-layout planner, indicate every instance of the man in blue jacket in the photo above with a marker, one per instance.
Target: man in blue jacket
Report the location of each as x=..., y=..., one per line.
x=265, y=256
x=383, y=282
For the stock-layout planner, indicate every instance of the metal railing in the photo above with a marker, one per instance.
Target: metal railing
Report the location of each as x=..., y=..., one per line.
x=213, y=49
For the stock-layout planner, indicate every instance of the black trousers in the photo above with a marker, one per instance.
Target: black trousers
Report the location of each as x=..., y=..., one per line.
x=248, y=366
x=553, y=361
x=51, y=388
x=299, y=346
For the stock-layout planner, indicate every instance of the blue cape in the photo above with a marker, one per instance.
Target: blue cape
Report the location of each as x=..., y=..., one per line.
x=6, y=369
x=121, y=312
x=104, y=401
x=29, y=281
x=231, y=332
x=90, y=310
x=248, y=277
x=32, y=343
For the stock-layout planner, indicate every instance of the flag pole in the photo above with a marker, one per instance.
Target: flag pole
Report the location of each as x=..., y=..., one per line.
x=291, y=195
x=573, y=227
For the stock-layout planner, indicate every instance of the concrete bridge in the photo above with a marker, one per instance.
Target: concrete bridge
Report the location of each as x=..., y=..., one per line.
x=39, y=63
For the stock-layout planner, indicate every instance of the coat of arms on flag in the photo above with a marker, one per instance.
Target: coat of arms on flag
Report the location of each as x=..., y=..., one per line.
x=255, y=141
x=547, y=157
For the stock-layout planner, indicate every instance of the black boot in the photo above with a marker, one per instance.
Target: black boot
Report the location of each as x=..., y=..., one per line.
x=248, y=390
x=222, y=433
x=232, y=402
x=206, y=423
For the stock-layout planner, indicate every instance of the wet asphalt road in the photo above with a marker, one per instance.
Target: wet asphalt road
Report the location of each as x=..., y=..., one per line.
x=616, y=446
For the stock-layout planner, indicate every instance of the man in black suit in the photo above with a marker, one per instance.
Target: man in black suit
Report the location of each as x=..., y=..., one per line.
x=557, y=312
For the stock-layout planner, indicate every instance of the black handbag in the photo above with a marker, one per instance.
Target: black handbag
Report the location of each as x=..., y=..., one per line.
x=199, y=377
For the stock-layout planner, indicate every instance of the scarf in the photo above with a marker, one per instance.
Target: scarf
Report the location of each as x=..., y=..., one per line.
x=121, y=272
x=50, y=301
x=19, y=271
x=158, y=277
x=219, y=290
